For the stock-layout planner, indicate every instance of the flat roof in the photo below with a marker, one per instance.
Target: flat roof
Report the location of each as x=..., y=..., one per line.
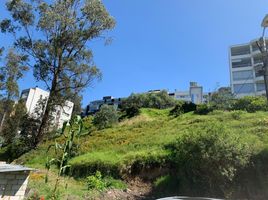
x=13, y=168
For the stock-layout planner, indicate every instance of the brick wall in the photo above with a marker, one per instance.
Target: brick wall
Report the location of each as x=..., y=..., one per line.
x=13, y=185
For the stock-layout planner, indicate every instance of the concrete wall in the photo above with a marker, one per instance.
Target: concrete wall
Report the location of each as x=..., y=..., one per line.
x=13, y=185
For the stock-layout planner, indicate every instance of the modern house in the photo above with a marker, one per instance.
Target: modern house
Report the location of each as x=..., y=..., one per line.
x=95, y=106
x=33, y=97
x=246, y=70
x=194, y=94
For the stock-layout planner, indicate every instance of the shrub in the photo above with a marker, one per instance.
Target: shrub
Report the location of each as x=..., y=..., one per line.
x=203, y=109
x=208, y=158
x=134, y=102
x=182, y=107
x=251, y=104
x=236, y=114
x=106, y=117
x=188, y=107
x=222, y=99
x=177, y=110
x=160, y=100
x=96, y=182
x=88, y=123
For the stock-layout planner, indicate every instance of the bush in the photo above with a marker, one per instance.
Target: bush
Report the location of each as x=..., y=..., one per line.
x=182, y=107
x=251, y=104
x=203, y=109
x=208, y=159
x=222, y=99
x=96, y=182
x=236, y=114
x=106, y=117
x=177, y=110
x=188, y=107
x=134, y=102
x=88, y=123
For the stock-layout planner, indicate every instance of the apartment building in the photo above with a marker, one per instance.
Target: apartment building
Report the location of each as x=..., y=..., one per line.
x=33, y=97
x=246, y=74
x=94, y=106
x=194, y=94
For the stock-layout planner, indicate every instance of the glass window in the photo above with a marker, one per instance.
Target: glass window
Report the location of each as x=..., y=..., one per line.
x=260, y=86
x=245, y=62
x=242, y=75
x=257, y=60
x=243, y=88
x=240, y=50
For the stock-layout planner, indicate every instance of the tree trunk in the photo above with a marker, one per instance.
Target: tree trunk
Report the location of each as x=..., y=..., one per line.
x=2, y=121
x=45, y=118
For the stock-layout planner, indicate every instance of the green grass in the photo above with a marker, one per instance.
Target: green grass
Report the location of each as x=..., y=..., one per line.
x=139, y=143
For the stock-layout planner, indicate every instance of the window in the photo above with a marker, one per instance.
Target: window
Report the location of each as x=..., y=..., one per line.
x=244, y=88
x=241, y=50
x=242, y=75
x=245, y=62
x=258, y=60
x=260, y=86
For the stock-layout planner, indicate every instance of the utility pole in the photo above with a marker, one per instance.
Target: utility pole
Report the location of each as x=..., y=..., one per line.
x=263, y=49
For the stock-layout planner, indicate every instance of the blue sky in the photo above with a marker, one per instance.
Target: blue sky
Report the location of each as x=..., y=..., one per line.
x=165, y=44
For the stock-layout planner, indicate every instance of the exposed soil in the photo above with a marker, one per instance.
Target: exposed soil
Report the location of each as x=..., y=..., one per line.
x=137, y=190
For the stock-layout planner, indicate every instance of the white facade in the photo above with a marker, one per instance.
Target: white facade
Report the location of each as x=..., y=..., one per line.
x=33, y=96
x=194, y=94
x=246, y=70
x=62, y=114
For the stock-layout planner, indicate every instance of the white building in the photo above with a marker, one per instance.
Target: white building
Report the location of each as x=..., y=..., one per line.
x=246, y=70
x=95, y=106
x=34, y=96
x=194, y=94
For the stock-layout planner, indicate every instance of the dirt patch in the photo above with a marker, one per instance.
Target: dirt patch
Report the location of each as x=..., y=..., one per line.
x=137, y=190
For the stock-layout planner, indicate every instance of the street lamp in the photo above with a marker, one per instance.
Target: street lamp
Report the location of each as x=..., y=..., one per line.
x=263, y=48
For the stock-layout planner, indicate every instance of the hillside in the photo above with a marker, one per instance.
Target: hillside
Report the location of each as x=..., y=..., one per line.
x=137, y=148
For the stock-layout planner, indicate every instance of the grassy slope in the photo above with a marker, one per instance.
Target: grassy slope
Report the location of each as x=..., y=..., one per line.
x=144, y=137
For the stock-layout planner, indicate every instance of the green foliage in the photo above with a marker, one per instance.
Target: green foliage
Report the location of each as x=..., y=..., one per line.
x=203, y=109
x=88, y=123
x=11, y=72
x=136, y=147
x=236, y=114
x=96, y=182
x=115, y=183
x=65, y=150
x=134, y=102
x=55, y=35
x=177, y=110
x=222, y=99
x=182, y=107
x=106, y=117
x=209, y=157
x=251, y=104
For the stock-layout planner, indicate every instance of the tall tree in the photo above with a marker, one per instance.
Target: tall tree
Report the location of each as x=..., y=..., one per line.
x=10, y=73
x=56, y=36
